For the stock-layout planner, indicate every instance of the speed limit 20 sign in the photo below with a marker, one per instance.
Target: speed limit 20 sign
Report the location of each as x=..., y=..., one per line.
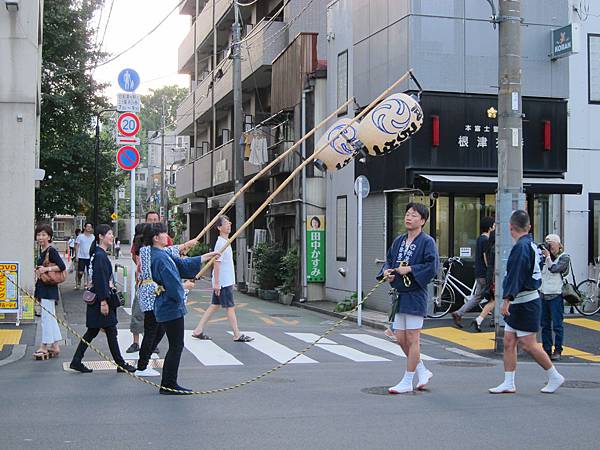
x=128, y=124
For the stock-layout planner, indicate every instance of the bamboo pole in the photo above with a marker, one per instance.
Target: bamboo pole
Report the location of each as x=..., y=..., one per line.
x=270, y=166
x=299, y=169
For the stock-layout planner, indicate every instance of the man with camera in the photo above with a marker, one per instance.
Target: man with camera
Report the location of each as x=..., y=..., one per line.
x=555, y=268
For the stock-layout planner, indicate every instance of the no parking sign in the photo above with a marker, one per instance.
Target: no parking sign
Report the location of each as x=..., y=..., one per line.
x=128, y=157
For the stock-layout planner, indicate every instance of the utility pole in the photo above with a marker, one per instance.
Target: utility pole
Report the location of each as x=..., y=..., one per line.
x=510, y=148
x=238, y=157
x=163, y=200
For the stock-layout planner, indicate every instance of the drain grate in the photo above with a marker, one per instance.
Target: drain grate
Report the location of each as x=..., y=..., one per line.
x=580, y=384
x=109, y=365
x=382, y=390
x=284, y=315
x=467, y=364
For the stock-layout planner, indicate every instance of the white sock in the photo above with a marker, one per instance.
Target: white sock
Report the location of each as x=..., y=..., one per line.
x=552, y=373
x=509, y=378
x=479, y=320
x=408, y=377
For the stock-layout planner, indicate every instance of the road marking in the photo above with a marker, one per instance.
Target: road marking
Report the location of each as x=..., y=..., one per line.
x=474, y=341
x=287, y=322
x=569, y=351
x=275, y=350
x=125, y=339
x=340, y=350
x=585, y=323
x=10, y=337
x=459, y=351
x=200, y=310
x=385, y=345
x=266, y=320
x=209, y=353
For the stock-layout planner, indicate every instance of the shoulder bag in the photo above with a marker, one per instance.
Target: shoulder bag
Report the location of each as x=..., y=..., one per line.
x=52, y=278
x=569, y=290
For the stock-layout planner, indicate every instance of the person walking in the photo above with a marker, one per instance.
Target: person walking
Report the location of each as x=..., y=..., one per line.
x=83, y=244
x=411, y=263
x=47, y=294
x=71, y=245
x=487, y=226
x=223, y=279
x=154, y=331
x=102, y=314
x=522, y=307
x=169, y=305
x=490, y=289
x=554, y=270
x=117, y=248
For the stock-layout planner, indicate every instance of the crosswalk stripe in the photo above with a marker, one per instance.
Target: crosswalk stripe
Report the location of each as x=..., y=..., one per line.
x=125, y=339
x=275, y=350
x=334, y=347
x=584, y=323
x=385, y=345
x=209, y=353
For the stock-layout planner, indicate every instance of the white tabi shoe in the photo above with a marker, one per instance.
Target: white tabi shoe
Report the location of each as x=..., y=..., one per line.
x=148, y=372
x=553, y=384
x=504, y=388
x=423, y=376
x=401, y=388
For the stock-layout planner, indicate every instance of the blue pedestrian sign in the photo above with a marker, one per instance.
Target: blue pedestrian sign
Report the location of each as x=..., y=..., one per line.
x=129, y=80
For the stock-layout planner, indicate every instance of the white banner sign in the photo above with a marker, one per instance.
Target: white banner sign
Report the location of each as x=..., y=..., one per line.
x=128, y=102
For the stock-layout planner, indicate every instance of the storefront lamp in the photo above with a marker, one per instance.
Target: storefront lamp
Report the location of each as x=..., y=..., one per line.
x=547, y=135
x=435, y=131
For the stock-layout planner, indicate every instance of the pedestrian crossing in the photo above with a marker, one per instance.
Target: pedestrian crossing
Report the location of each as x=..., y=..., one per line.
x=279, y=346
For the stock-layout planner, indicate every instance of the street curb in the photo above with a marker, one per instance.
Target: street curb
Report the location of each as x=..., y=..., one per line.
x=368, y=322
x=17, y=353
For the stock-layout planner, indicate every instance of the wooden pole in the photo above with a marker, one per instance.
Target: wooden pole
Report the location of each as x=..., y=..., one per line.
x=270, y=166
x=299, y=169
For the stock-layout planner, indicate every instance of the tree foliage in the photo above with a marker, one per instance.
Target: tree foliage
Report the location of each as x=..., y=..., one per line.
x=70, y=99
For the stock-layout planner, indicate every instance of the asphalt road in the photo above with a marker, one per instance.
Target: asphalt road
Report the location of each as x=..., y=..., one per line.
x=331, y=403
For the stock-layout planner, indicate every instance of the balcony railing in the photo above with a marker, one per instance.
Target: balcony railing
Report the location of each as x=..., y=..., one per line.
x=197, y=179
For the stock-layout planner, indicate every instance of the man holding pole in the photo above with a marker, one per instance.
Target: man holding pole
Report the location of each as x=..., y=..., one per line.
x=411, y=264
x=522, y=307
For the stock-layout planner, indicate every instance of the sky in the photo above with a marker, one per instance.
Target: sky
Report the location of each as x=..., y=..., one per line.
x=155, y=58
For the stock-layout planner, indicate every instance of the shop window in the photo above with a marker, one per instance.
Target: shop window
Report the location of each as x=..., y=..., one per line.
x=542, y=216
x=341, y=228
x=593, y=68
x=342, y=80
x=489, y=205
x=467, y=212
x=442, y=225
x=594, y=231
x=397, y=203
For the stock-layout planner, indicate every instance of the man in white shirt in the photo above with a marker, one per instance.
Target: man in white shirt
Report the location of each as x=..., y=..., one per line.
x=83, y=243
x=223, y=280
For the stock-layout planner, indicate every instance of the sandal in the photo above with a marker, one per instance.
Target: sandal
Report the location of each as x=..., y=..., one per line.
x=390, y=334
x=54, y=353
x=202, y=337
x=244, y=338
x=41, y=355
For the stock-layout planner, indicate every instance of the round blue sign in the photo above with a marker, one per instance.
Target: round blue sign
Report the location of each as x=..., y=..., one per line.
x=129, y=80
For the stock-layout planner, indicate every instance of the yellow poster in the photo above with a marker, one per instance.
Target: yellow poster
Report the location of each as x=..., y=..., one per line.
x=9, y=294
x=27, y=311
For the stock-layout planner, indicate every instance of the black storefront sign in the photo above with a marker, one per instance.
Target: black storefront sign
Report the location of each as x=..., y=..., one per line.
x=468, y=141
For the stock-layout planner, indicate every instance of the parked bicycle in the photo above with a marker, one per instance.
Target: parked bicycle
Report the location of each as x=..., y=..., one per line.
x=446, y=288
x=590, y=297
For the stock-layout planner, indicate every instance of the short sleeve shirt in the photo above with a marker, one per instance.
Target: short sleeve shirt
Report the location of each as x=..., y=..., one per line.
x=84, y=243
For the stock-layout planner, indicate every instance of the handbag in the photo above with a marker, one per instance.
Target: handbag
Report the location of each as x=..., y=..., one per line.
x=52, y=278
x=569, y=291
x=89, y=297
x=115, y=299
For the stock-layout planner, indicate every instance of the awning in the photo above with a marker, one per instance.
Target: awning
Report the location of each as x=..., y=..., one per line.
x=488, y=185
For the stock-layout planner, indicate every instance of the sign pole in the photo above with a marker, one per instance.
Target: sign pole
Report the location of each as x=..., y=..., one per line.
x=133, y=272
x=359, y=252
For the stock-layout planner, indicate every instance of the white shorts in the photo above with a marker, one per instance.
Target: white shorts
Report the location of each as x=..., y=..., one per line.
x=407, y=322
x=519, y=333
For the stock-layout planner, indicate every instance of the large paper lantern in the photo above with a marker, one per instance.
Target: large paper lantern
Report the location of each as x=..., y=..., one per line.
x=340, y=151
x=390, y=123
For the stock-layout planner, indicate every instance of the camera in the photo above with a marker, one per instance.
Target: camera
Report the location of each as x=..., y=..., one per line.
x=542, y=246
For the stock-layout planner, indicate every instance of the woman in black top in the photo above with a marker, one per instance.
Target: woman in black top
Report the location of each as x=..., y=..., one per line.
x=47, y=294
x=100, y=315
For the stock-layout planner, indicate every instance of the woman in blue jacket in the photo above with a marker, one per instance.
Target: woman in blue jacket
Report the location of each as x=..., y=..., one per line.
x=101, y=315
x=169, y=305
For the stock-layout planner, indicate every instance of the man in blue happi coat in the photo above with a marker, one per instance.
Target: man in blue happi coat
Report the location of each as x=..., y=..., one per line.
x=411, y=263
x=522, y=307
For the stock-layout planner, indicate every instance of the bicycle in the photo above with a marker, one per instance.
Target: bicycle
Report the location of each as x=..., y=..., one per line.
x=590, y=293
x=445, y=289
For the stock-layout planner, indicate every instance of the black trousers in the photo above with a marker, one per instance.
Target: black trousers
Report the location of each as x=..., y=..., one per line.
x=174, y=330
x=153, y=333
x=113, y=344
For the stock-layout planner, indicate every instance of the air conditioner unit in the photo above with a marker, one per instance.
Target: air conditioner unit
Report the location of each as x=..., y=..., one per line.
x=260, y=236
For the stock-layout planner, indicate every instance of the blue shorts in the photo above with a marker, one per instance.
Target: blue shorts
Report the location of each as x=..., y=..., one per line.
x=225, y=299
